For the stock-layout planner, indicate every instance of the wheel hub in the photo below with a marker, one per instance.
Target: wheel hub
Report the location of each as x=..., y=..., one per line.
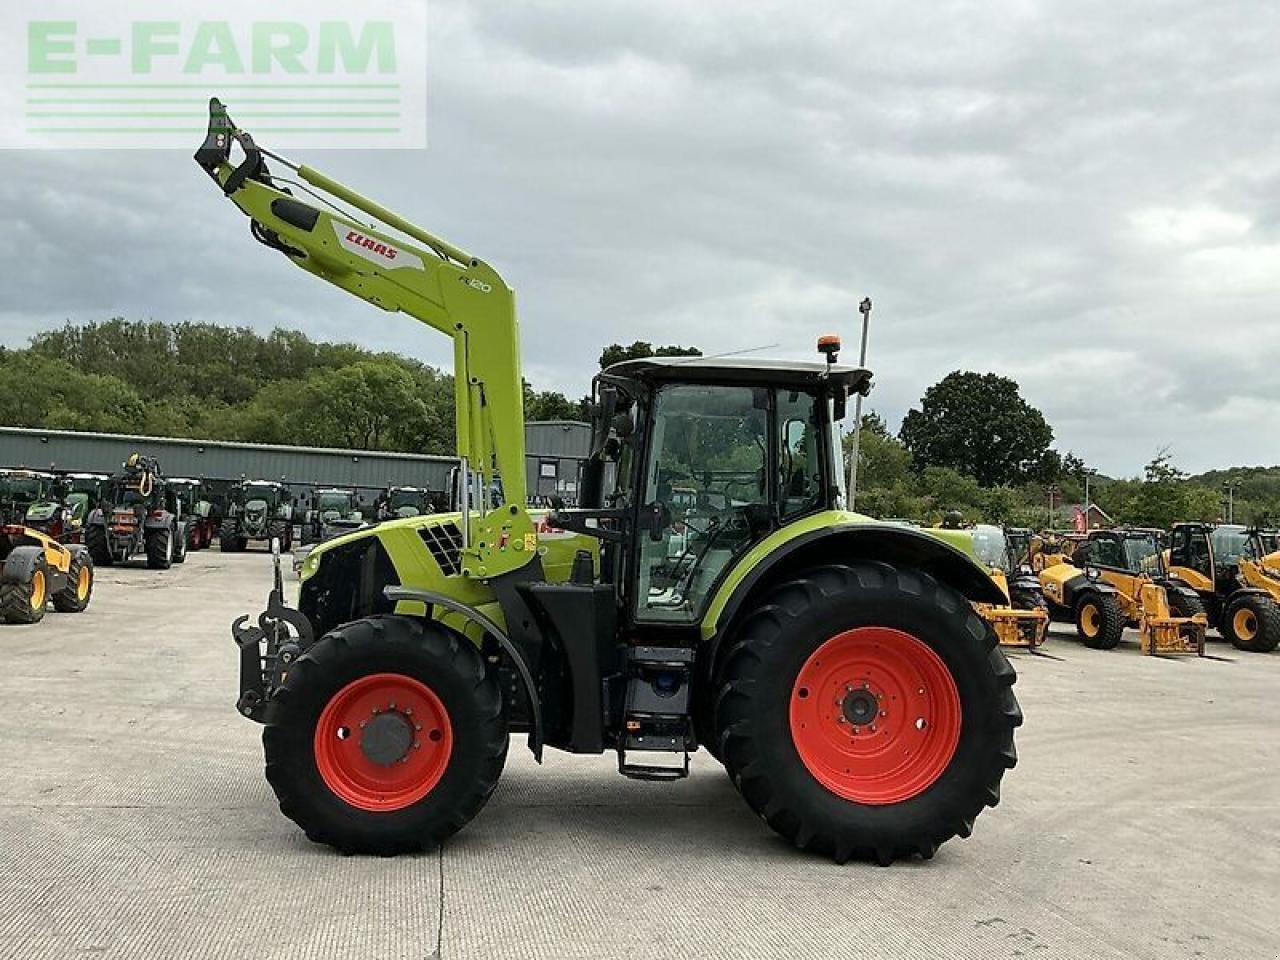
x=860, y=707
x=387, y=738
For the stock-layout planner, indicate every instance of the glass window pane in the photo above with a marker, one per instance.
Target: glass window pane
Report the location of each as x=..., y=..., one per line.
x=707, y=477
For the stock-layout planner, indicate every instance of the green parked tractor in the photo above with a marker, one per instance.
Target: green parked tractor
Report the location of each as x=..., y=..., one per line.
x=710, y=590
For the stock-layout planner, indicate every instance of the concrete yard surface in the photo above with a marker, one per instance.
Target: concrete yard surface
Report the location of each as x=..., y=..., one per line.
x=1143, y=820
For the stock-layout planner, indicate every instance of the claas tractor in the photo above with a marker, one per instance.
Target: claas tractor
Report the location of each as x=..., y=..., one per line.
x=1022, y=621
x=256, y=510
x=36, y=570
x=398, y=502
x=187, y=499
x=1117, y=578
x=332, y=512
x=135, y=518
x=835, y=666
x=1222, y=564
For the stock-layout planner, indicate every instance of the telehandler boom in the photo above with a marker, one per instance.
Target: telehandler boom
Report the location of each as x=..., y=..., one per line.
x=710, y=591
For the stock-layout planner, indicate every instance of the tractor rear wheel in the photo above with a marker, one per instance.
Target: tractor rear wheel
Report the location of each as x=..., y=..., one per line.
x=866, y=711
x=1252, y=623
x=159, y=552
x=1099, y=621
x=95, y=538
x=24, y=601
x=75, y=596
x=386, y=737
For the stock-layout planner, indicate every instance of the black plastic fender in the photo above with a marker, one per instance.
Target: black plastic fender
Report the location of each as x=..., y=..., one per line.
x=397, y=593
x=1079, y=586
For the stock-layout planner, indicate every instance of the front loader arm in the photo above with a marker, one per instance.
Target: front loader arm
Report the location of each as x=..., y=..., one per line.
x=430, y=280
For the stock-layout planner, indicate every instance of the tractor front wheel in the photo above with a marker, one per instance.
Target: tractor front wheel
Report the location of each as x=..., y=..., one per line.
x=229, y=540
x=24, y=601
x=75, y=596
x=386, y=737
x=1252, y=623
x=866, y=711
x=1099, y=621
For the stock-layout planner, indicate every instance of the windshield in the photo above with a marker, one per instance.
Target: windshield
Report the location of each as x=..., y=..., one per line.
x=1142, y=555
x=1228, y=544
x=405, y=498
x=340, y=502
x=260, y=491
x=989, y=546
x=21, y=489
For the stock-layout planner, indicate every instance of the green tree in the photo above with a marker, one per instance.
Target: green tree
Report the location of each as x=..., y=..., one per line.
x=979, y=425
x=616, y=353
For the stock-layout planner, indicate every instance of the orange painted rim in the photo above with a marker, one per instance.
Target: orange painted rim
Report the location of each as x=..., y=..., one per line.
x=39, y=590
x=875, y=715
x=1245, y=624
x=1090, y=620
x=82, y=583
x=410, y=709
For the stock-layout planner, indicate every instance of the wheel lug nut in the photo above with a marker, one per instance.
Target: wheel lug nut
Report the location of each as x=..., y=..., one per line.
x=363, y=724
x=417, y=726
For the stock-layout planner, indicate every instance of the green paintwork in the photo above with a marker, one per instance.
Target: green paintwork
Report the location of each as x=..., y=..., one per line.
x=449, y=291
x=960, y=539
x=416, y=567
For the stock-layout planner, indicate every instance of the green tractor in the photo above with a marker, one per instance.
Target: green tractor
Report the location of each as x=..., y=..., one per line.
x=332, y=512
x=256, y=510
x=399, y=502
x=710, y=591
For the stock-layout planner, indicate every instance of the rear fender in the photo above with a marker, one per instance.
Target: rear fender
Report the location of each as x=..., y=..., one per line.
x=781, y=555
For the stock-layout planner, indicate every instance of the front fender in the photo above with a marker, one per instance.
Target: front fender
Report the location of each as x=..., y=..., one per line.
x=847, y=539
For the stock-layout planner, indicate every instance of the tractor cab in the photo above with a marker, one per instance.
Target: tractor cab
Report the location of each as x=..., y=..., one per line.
x=708, y=458
x=399, y=502
x=20, y=490
x=1131, y=551
x=1207, y=555
x=84, y=492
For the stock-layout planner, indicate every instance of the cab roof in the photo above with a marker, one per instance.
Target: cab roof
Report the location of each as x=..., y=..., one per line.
x=750, y=371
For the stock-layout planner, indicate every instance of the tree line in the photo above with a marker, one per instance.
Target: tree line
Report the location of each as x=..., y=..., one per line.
x=973, y=443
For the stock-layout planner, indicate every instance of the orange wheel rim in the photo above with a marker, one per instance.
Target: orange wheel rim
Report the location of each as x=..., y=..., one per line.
x=1089, y=620
x=875, y=715
x=383, y=742
x=82, y=583
x=38, y=595
x=1245, y=623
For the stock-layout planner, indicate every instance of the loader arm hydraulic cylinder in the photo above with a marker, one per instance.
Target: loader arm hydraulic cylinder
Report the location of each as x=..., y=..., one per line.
x=430, y=280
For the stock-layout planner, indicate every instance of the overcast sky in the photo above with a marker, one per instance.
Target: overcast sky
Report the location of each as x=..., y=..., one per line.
x=1081, y=196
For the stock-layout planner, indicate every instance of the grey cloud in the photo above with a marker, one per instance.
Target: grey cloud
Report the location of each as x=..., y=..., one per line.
x=1082, y=198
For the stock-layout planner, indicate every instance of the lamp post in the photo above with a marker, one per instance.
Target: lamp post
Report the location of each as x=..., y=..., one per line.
x=1087, y=474
x=1231, y=486
x=864, y=308
x=1053, y=492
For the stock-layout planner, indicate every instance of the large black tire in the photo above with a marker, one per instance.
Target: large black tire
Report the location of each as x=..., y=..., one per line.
x=1027, y=600
x=1184, y=604
x=759, y=688
x=180, y=548
x=454, y=672
x=75, y=596
x=229, y=540
x=1099, y=620
x=95, y=538
x=159, y=554
x=25, y=601
x=1252, y=623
